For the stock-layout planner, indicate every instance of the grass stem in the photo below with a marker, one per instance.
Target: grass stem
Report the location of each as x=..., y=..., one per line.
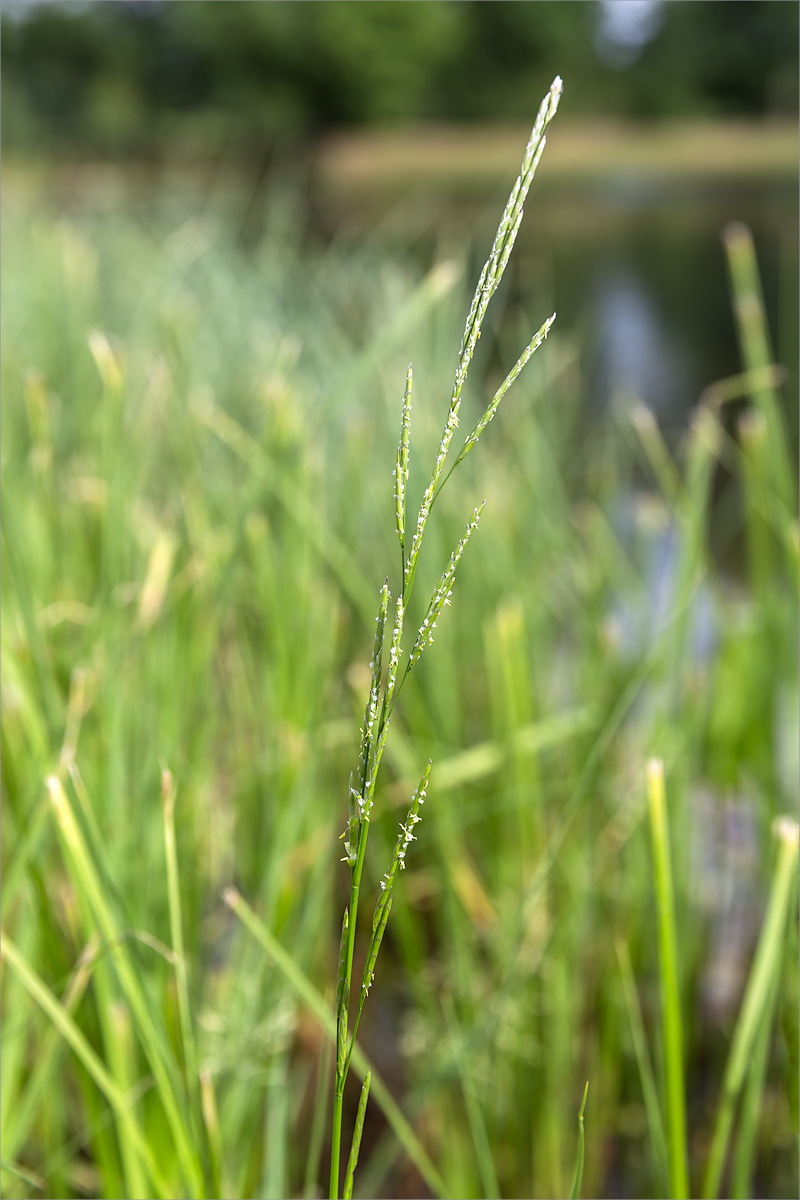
x=671, y=1023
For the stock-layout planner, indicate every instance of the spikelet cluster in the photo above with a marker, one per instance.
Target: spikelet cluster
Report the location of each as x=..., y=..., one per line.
x=401, y=467
x=381, y=700
x=371, y=710
x=534, y=344
x=488, y=283
x=384, y=905
x=391, y=682
x=443, y=592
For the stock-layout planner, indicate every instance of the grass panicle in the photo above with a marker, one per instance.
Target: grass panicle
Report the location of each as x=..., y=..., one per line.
x=379, y=705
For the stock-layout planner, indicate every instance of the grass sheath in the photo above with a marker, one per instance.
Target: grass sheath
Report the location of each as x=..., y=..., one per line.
x=383, y=694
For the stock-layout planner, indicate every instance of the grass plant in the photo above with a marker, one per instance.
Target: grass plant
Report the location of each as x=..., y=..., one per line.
x=754, y=1017
x=672, y=1023
x=383, y=695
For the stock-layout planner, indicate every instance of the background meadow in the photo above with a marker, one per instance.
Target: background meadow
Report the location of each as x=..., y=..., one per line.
x=203, y=363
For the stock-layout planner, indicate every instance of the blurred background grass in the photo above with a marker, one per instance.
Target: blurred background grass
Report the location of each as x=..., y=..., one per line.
x=214, y=276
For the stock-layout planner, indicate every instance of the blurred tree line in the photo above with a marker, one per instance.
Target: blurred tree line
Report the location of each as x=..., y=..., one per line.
x=130, y=78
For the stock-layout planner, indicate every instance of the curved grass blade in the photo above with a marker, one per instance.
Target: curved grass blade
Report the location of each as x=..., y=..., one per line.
x=765, y=964
x=64, y=1023
x=316, y=1005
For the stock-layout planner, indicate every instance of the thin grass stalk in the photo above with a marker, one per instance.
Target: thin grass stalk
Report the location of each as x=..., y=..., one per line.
x=176, y=936
x=658, y=456
x=655, y=1121
x=477, y=1124
x=705, y=434
x=123, y=1061
x=355, y=1146
x=27, y=848
x=64, y=1023
x=761, y=536
x=744, y=1150
x=342, y=1003
x=577, y=1181
x=274, y=1182
x=384, y=904
x=757, y=355
x=18, y=1118
x=766, y=965
x=154, y=1043
x=105, y=989
x=314, y=1152
x=489, y=414
x=27, y=1176
x=669, y=981
x=208, y=1101
x=111, y=1143
x=321, y=1011
x=168, y=797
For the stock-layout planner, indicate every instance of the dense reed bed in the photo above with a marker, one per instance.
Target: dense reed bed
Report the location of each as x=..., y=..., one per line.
x=198, y=513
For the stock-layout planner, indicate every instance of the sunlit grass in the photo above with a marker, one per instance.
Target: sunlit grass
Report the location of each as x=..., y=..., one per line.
x=196, y=520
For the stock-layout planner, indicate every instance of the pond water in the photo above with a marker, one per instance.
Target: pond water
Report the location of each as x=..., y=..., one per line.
x=644, y=273
x=636, y=268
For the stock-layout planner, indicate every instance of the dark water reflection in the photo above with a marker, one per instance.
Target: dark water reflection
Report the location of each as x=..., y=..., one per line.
x=642, y=275
x=636, y=270
x=634, y=267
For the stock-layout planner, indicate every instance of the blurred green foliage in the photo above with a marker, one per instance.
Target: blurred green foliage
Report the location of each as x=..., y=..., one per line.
x=124, y=78
x=197, y=514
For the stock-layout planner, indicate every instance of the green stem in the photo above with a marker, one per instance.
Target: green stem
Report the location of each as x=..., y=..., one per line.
x=336, y=1141
x=670, y=987
x=341, y=1079
x=766, y=965
x=355, y=887
x=354, y=1034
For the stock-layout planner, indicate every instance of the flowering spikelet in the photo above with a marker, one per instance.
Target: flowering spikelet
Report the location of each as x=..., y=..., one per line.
x=401, y=469
x=350, y=835
x=383, y=907
x=505, y=237
x=534, y=344
x=342, y=999
x=422, y=519
x=443, y=592
x=488, y=283
x=391, y=681
x=371, y=711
